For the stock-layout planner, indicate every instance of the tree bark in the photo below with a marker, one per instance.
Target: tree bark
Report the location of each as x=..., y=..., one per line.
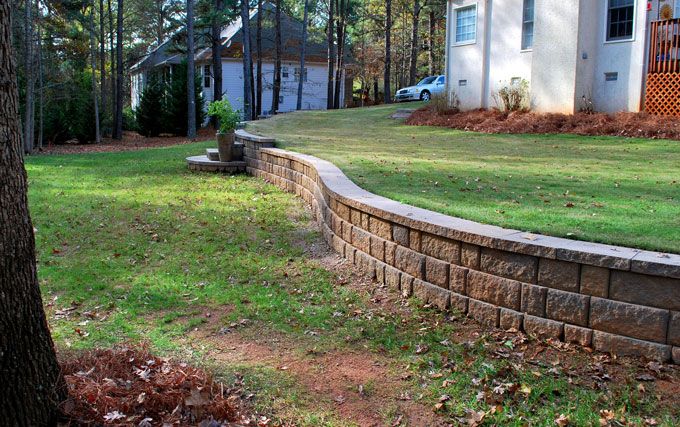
x=102, y=60
x=331, y=53
x=430, y=45
x=258, y=42
x=216, y=40
x=277, y=60
x=119, y=72
x=303, y=50
x=93, y=55
x=191, y=81
x=112, y=79
x=341, y=30
x=32, y=386
x=247, y=61
x=414, y=44
x=388, y=48
x=41, y=89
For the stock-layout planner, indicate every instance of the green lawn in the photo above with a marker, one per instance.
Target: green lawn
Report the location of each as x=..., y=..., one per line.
x=604, y=189
x=132, y=247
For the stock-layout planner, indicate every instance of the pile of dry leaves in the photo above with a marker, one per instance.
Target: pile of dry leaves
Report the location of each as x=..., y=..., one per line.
x=132, y=387
x=640, y=125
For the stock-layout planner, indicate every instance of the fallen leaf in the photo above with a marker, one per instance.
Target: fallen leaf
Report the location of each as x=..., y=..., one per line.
x=562, y=420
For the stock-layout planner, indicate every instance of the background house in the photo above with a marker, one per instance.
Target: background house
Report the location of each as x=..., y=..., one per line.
x=570, y=52
x=314, y=97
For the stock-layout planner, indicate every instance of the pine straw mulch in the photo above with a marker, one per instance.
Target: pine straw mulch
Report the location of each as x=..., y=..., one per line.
x=126, y=386
x=640, y=125
x=131, y=141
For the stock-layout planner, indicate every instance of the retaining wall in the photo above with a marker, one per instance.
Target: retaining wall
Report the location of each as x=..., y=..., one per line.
x=614, y=299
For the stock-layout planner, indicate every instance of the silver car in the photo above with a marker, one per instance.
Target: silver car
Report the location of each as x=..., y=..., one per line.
x=423, y=91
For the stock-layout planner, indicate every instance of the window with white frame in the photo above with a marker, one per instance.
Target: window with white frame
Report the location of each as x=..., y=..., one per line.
x=206, y=76
x=528, y=24
x=620, y=19
x=466, y=24
x=297, y=74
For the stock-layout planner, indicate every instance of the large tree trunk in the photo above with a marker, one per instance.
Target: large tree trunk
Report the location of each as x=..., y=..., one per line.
x=247, y=62
x=303, y=50
x=216, y=40
x=388, y=48
x=32, y=386
x=191, y=81
x=102, y=59
x=414, y=44
x=41, y=89
x=112, y=80
x=430, y=45
x=341, y=30
x=93, y=55
x=118, y=134
x=277, y=60
x=160, y=25
x=258, y=42
x=29, y=116
x=331, y=52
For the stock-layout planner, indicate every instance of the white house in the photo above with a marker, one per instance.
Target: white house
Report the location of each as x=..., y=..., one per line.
x=314, y=97
x=569, y=51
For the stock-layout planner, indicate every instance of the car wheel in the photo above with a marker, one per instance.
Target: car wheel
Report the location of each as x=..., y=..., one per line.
x=425, y=96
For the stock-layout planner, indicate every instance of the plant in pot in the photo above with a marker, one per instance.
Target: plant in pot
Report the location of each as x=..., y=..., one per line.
x=228, y=119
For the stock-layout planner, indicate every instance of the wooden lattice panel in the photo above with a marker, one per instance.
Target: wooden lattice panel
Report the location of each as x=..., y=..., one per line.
x=663, y=94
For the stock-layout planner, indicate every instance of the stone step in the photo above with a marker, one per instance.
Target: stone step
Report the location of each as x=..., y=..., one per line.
x=212, y=154
x=236, y=152
x=202, y=163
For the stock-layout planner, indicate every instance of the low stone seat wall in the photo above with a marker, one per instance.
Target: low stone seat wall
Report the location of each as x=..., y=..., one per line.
x=614, y=299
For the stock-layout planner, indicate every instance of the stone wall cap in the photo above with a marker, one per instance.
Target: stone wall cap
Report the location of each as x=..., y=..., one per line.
x=590, y=253
x=254, y=138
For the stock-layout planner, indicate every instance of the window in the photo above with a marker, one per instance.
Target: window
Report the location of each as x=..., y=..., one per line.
x=441, y=80
x=466, y=24
x=528, y=25
x=611, y=77
x=297, y=74
x=206, y=75
x=280, y=99
x=284, y=72
x=620, y=17
x=462, y=82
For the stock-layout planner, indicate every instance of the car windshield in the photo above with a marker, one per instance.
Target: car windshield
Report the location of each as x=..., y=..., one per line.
x=427, y=81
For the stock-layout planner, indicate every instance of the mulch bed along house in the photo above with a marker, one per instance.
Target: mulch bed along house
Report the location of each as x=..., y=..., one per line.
x=639, y=125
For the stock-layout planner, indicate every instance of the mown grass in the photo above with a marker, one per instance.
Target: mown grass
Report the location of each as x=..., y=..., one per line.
x=144, y=248
x=604, y=189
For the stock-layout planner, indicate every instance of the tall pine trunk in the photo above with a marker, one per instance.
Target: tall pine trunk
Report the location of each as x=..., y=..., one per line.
x=277, y=59
x=247, y=62
x=41, y=90
x=93, y=61
x=258, y=43
x=331, y=53
x=303, y=50
x=191, y=70
x=112, y=79
x=32, y=386
x=102, y=60
x=341, y=29
x=29, y=116
x=430, y=44
x=414, y=44
x=388, y=48
x=119, y=72
x=216, y=40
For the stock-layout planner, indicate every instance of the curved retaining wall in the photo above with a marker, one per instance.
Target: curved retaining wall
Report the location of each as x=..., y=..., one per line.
x=614, y=299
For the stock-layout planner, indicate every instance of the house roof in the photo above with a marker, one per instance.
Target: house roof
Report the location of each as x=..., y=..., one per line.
x=171, y=51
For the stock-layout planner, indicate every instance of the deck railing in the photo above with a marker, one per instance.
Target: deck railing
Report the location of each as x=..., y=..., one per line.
x=664, y=51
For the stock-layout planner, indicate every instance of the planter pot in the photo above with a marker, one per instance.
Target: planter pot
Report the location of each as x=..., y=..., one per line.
x=225, y=143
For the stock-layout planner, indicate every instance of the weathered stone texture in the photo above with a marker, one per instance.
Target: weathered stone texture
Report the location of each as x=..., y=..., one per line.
x=390, y=249
x=440, y=248
x=567, y=307
x=484, y=313
x=414, y=238
x=378, y=248
x=674, y=328
x=409, y=262
x=494, y=290
x=406, y=285
x=533, y=299
x=595, y=281
x=437, y=272
x=346, y=231
x=578, y=335
x=654, y=291
x=380, y=228
x=400, y=235
x=510, y=319
x=459, y=303
x=355, y=218
x=380, y=272
x=509, y=265
x=543, y=328
x=630, y=320
x=342, y=210
x=676, y=355
x=626, y=346
x=431, y=294
x=361, y=239
x=469, y=256
x=392, y=277
x=458, y=279
x=558, y=274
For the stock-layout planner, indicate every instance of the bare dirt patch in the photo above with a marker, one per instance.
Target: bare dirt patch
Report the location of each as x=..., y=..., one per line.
x=131, y=141
x=639, y=125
